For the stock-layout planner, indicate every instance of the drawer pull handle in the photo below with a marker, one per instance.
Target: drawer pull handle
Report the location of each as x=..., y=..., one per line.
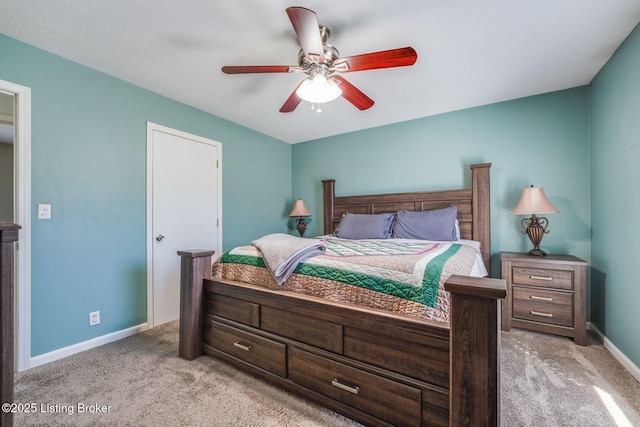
x=537, y=313
x=242, y=346
x=336, y=383
x=547, y=278
x=541, y=298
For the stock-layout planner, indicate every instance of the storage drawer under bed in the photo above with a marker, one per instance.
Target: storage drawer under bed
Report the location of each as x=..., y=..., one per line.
x=259, y=351
x=396, y=403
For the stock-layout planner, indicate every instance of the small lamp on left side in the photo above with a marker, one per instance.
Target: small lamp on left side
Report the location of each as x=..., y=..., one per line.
x=300, y=210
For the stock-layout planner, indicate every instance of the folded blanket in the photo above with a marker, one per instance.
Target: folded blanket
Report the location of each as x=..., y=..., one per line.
x=283, y=252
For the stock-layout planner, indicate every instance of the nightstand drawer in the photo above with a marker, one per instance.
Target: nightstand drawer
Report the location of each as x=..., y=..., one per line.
x=544, y=278
x=543, y=306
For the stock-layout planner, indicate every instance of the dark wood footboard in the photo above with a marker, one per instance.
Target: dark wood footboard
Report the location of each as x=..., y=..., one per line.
x=376, y=367
x=475, y=350
x=195, y=266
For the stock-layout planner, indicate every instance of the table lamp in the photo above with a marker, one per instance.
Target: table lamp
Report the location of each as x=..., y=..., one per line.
x=300, y=210
x=534, y=202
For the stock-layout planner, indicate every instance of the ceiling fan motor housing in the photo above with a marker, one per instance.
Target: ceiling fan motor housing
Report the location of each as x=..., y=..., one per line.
x=330, y=52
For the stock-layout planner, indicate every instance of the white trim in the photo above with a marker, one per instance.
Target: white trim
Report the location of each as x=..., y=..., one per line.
x=150, y=128
x=22, y=216
x=61, y=353
x=620, y=356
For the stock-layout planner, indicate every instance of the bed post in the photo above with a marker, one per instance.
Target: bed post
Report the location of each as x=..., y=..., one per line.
x=328, y=194
x=481, y=206
x=474, y=394
x=8, y=235
x=195, y=266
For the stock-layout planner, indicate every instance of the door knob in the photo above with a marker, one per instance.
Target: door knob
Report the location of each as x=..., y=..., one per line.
x=159, y=237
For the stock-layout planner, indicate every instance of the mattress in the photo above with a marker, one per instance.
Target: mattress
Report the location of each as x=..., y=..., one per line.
x=399, y=275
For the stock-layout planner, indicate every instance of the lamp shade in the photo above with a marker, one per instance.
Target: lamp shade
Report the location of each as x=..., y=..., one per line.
x=300, y=209
x=533, y=201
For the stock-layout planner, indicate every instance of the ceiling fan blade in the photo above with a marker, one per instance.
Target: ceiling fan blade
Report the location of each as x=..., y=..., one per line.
x=305, y=24
x=353, y=94
x=246, y=69
x=400, y=57
x=292, y=102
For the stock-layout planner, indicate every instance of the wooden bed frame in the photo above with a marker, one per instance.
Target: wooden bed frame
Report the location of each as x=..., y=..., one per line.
x=376, y=367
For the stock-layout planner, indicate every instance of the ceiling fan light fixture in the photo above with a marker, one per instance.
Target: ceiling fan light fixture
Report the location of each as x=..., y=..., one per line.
x=320, y=60
x=318, y=89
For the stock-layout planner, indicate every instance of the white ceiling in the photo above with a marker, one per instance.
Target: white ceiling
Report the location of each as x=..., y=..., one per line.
x=470, y=52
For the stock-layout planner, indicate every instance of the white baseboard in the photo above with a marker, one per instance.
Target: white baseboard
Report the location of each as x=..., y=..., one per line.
x=85, y=345
x=624, y=360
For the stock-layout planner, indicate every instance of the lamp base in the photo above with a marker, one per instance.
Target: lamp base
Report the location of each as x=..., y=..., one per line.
x=537, y=252
x=535, y=227
x=301, y=225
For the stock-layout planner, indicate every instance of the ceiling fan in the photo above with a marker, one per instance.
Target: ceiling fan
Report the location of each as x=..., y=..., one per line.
x=319, y=60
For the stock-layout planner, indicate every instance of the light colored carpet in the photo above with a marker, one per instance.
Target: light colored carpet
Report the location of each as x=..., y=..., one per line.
x=146, y=384
x=549, y=381
x=546, y=381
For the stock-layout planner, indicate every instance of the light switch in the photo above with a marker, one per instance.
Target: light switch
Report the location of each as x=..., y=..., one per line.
x=44, y=211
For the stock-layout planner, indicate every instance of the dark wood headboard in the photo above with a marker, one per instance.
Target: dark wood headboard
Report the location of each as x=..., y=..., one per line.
x=474, y=206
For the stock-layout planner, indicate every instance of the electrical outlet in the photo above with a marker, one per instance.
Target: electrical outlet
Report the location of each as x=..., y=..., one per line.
x=94, y=318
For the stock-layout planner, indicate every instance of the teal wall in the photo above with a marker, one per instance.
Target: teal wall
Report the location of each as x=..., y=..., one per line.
x=615, y=198
x=540, y=140
x=89, y=161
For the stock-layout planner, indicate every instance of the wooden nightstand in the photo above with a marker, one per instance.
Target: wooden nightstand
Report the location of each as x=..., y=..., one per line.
x=545, y=294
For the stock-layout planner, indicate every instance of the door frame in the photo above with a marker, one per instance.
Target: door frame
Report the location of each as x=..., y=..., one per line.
x=156, y=127
x=22, y=216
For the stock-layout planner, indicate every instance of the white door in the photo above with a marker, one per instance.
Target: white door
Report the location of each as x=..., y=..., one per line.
x=185, y=210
